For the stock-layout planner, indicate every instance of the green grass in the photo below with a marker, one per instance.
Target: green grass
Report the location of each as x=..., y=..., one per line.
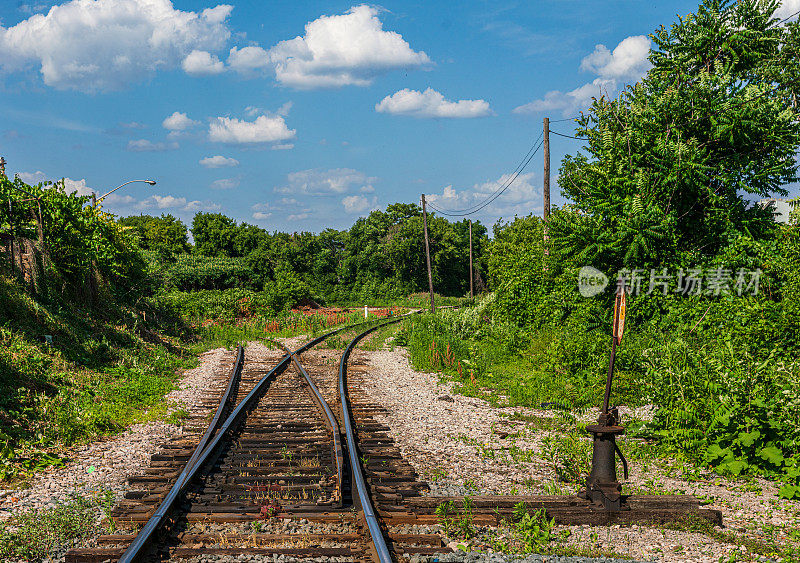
x=105, y=370
x=35, y=534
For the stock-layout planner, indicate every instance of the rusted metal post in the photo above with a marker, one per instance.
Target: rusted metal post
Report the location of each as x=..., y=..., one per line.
x=602, y=486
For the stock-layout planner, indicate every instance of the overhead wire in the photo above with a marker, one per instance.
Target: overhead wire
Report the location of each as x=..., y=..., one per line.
x=523, y=164
x=498, y=192
x=469, y=210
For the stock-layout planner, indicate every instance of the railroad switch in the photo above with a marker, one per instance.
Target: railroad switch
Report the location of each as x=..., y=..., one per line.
x=602, y=487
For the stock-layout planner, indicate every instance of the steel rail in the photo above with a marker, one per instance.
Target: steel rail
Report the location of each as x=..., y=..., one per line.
x=330, y=422
x=373, y=524
x=159, y=516
x=142, y=539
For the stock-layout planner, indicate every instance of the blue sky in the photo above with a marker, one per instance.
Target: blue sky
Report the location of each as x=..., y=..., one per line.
x=305, y=115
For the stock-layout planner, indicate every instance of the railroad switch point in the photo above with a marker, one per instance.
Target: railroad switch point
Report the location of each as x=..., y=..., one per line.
x=602, y=487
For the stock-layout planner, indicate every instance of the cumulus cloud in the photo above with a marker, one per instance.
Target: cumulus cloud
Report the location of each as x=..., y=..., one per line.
x=172, y=202
x=102, y=45
x=431, y=103
x=354, y=204
x=224, y=184
x=325, y=182
x=32, y=178
x=262, y=211
x=248, y=60
x=521, y=198
x=144, y=145
x=341, y=50
x=70, y=185
x=202, y=63
x=196, y=205
x=265, y=129
x=626, y=63
x=788, y=9
x=218, y=161
x=283, y=147
x=178, y=122
x=299, y=216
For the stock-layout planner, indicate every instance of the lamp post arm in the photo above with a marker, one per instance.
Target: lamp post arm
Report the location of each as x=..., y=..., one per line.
x=151, y=182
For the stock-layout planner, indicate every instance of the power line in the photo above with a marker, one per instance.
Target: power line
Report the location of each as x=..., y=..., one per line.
x=789, y=17
x=499, y=192
x=522, y=164
x=568, y=136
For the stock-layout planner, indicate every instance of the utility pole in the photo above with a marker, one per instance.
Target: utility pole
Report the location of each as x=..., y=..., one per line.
x=546, y=190
x=471, y=271
x=428, y=251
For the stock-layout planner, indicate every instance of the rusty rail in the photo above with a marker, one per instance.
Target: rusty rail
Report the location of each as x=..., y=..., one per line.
x=381, y=549
x=155, y=522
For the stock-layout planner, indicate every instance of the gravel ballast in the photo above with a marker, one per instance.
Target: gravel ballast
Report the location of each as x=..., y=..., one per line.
x=461, y=446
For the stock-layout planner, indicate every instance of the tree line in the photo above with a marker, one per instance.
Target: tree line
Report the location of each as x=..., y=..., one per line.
x=381, y=255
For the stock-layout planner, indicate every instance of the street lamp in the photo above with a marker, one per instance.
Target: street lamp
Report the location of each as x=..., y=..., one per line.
x=95, y=199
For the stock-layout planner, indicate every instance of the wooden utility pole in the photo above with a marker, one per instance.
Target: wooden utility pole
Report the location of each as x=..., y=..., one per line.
x=471, y=271
x=546, y=191
x=428, y=251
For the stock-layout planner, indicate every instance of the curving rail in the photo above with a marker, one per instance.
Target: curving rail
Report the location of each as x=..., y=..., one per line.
x=155, y=521
x=330, y=422
x=208, y=446
x=382, y=550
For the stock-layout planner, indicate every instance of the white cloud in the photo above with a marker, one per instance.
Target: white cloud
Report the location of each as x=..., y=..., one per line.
x=70, y=185
x=248, y=60
x=224, y=184
x=260, y=215
x=162, y=202
x=102, y=45
x=283, y=147
x=218, y=161
x=347, y=49
x=178, y=122
x=788, y=8
x=627, y=63
x=299, y=216
x=354, y=204
x=521, y=198
x=322, y=182
x=201, y=206
x=431, y=103
x=202, y=63
x=32, y=178
x=133, y=125
x=144, y=145
x=263, y=130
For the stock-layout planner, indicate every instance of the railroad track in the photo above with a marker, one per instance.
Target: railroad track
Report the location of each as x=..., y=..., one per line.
x=289, y=460
x=285, y=442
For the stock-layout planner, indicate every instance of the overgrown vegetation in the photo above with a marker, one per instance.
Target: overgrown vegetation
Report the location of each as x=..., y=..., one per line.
x=660, y=198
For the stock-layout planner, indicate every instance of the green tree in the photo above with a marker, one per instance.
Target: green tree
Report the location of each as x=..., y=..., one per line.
x=214, y=234
x=165, y=235
x=671, y=159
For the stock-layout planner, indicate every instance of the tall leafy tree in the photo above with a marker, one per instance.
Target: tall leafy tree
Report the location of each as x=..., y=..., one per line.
x=165, y=235
x=671, y=161
x=214, y=234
